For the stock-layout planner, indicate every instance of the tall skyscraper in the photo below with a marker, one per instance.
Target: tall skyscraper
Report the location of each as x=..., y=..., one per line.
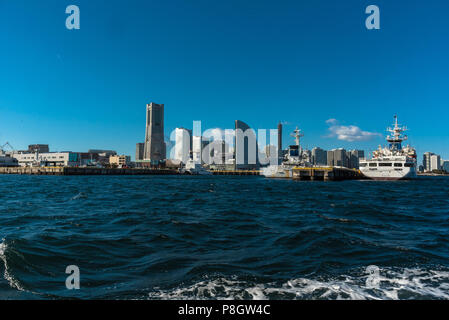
x=154, y=136
x=280, y=140
x=140, y=148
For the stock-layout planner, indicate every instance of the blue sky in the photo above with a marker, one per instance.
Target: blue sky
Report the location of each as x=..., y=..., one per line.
x=300, y=62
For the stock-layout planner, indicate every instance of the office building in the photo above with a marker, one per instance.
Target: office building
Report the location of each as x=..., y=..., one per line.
x=445, y=165
x=426, y=161
x=140, y=149
x=435, y=162
x=40, y=148
x=246, y=148
x=353, y=158
x=337, y=158
x=119, y=160
x=279, y=146
x=319, y=157
x=47, y=159
x=154, y=149
x=183, y=144
x=197, y=147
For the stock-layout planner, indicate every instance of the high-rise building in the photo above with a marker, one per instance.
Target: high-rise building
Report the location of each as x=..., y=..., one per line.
x=337, y=158
x=154, y=149
x=183, y=144
x=353, y=157
x=426, y=161
x=445, y=166
x=319, y=157
x=246, y=148
x=140, y=148
x=435, y=162
x=197, y=148
x=280, y=140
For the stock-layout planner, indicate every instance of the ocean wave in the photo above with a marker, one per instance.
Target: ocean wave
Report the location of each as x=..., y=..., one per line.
x=390, y=284
x=12, y=281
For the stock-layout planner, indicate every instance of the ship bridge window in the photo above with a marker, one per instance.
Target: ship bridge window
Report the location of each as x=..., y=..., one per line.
x=385, y=164
x=373, y=164
x=362, y=165
x=398, y=164
x=409, y=165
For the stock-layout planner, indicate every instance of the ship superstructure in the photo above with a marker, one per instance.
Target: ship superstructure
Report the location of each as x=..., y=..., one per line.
x=296, y=156
x=393, y=162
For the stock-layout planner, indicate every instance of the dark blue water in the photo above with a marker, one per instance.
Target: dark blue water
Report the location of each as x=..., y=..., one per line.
x=152, y=237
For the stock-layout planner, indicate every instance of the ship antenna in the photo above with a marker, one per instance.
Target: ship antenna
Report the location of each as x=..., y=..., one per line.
x=297, y=134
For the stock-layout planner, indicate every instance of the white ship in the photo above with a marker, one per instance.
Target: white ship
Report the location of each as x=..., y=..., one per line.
x=393, y=162
x=296, y=157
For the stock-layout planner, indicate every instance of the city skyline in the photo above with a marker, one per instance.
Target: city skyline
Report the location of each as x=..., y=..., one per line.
x=309, y=65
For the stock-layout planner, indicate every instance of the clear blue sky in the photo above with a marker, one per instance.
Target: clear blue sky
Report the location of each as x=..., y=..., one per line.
x=302, y=62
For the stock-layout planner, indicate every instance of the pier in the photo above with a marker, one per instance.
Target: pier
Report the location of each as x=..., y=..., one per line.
x=235, y=172
x=326, y=173
x=77, y=171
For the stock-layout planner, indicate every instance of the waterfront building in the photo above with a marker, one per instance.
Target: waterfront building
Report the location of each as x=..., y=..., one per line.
x=47, y=159
x=426, y=161
x=197, y=147
x=216, y=155
x=337, y=158
x=445, y=165
x=246, y=148
x=40, y=148
x=120, y=160
x=353, y=157
x=319, y=157
x=435, y=162
x=154, y=149
x=140, y=151
x=102, y=156
x=279, y=146
x=183, y=144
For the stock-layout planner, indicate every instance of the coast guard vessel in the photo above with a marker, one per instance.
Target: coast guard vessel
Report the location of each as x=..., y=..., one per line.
x=393, y=162
x=296, y=157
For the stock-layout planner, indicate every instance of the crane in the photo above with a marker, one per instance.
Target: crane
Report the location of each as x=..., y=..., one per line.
x=7, y=144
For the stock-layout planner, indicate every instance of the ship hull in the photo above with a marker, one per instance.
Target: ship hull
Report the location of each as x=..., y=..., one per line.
x=390, y=175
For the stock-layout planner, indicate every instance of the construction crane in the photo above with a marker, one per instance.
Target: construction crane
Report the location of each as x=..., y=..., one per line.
x=7, y=144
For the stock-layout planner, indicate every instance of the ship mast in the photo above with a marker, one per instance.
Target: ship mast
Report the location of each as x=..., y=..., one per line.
x=397, y=136
x=396, y=131
x=297, y=134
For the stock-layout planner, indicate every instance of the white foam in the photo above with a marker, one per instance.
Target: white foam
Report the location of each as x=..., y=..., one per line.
x=13, y=283
x=392, y=284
